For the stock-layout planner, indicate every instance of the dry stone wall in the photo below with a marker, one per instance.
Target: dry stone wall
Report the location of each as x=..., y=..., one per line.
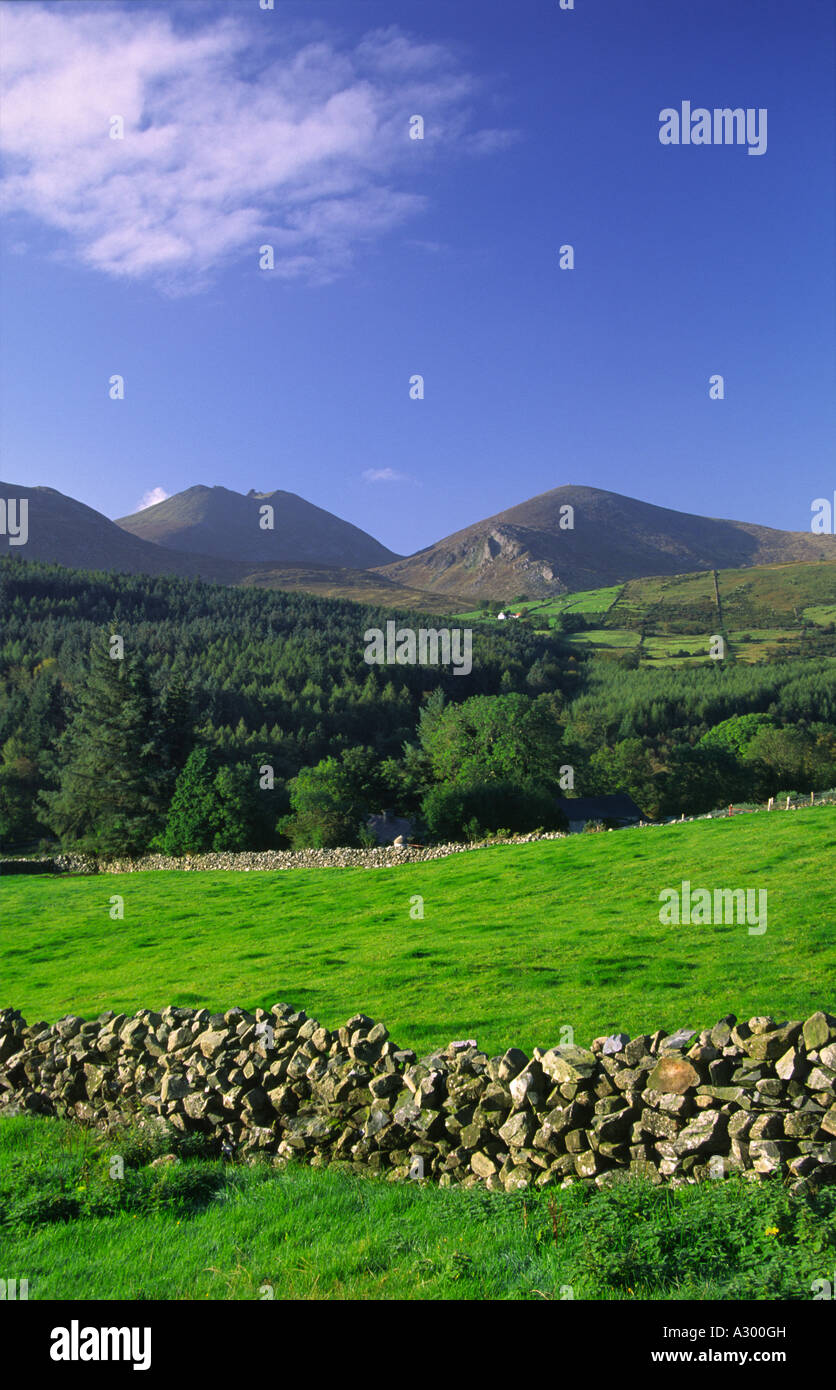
x=381, y=857
x=757, y=1097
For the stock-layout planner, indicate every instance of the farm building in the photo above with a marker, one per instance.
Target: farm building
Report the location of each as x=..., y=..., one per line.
x=617, y=809
x=386, y=827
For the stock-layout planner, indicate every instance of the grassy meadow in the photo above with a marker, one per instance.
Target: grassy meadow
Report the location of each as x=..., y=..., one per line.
x=202, y=1229
x=516, y=942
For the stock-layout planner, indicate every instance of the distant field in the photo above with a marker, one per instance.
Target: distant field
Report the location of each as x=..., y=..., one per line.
x=516, y=941
x=822, y=613
x=758, y=595
x=672, y=646
x=606, y=637
x=583, y=601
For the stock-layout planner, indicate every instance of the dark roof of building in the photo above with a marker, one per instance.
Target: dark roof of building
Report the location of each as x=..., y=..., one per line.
x=618, y=806
x=387, y=827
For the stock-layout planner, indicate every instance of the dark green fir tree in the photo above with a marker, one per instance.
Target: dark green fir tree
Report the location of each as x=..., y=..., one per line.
x=111, y=764
x=194, y=816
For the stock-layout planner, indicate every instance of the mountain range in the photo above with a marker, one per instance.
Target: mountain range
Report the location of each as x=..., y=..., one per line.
x=561, y=541
x=66, y=532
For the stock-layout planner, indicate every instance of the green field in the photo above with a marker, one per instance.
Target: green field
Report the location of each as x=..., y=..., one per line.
x=516, y=943
x=582, y=601
x=755, y=597
x=822, y=613
x=603, y=637
x=205, y=1230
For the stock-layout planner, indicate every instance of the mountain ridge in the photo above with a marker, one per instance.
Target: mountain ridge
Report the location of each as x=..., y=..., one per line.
x=567, y=539
x=63, y=531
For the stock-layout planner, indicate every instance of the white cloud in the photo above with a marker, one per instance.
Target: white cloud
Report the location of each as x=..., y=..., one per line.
x=228, y=143
x=384, y=475
x=150, y=499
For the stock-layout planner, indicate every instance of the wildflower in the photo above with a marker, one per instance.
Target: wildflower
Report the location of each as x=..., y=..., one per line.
x=771, y=1231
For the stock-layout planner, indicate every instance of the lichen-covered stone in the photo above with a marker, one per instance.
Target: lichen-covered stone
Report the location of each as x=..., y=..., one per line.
x=673, y=1074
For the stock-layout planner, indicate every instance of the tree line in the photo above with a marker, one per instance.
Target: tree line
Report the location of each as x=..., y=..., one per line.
x=242, y=718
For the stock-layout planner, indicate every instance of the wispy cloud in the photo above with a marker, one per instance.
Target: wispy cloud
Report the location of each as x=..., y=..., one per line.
x=384, y=475
x=432, y=248
x=228, y=142
x=150, y=499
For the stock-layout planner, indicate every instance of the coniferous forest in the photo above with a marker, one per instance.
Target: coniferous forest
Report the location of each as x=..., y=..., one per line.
x=145, y=713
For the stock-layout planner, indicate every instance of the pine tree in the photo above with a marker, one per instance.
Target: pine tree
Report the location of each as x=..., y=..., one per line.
x=111, y=792
x=177, y=728
x=194, y=816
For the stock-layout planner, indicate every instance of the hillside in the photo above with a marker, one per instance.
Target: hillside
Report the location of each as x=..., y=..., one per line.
x=221, y=523
x=614, y=539
x=359, y=586
x=766, y=611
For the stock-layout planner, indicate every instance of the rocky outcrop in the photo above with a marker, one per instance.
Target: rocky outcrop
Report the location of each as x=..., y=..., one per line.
x=756, y=1097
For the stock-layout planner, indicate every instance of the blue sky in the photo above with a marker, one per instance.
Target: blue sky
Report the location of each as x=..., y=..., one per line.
x=438, y=257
